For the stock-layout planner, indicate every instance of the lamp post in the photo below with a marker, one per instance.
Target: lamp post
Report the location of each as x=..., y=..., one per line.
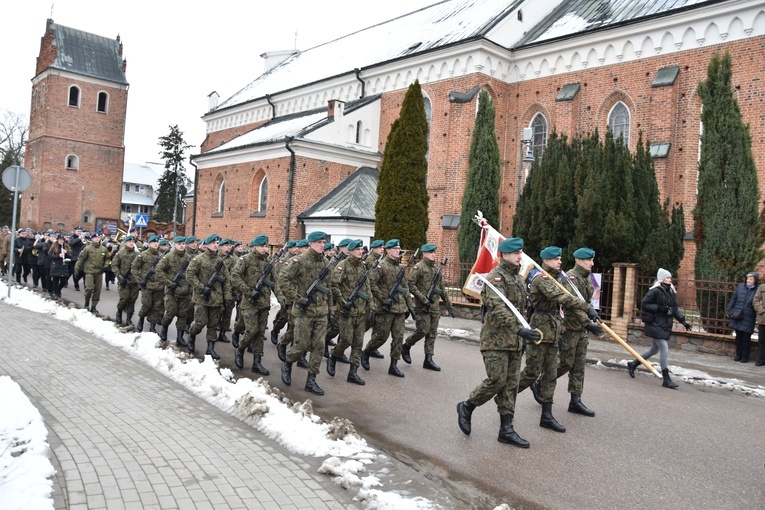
x=175, y=203
x=525, y=157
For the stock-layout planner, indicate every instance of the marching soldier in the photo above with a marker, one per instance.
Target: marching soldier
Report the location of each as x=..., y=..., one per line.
x=282, y=316
x=238, y=252
x=309, y=311
x=424, y=275
x=254, y=310
x=289, y=335
x=211, y=285
x=192, y=246
x=375, y=252
x=389, y=311
x=547, y=299
x=91, y=263
x=501, y=341
x=351, y=315
x=171, y=276
x=224, y=252
x=127, y=285
x=143, y=271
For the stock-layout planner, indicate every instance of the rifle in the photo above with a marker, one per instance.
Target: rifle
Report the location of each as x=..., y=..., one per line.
x=434, y=285
x=356, y=292
x=316, y=285
x=179, y=276
x=149, y=276
x=125, y=277
x=263, y=280
x=396, y=288
x=214, y=277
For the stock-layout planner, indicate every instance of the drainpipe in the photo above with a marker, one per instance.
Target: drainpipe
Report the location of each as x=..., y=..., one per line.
x=196, y=187
x=363, y=85
x=273, y=106
x=291, y=178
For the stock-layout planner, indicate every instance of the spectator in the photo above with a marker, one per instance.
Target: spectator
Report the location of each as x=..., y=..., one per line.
x=759, y=307
x=740, y=311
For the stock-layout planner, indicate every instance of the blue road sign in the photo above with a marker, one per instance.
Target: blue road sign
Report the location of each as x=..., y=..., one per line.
x=141, y=220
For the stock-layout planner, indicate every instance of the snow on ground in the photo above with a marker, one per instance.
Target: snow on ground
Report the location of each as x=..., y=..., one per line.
x=292, y=424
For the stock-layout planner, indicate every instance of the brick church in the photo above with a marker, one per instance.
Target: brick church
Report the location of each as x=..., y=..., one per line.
x=285, y=154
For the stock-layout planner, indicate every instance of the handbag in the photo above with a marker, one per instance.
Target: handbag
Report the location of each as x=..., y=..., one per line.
x=736, y=314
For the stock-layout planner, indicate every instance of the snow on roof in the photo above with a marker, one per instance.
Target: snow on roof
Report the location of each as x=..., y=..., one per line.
x=352, y=199
x=438, y=25
x=144, y=173
x=136, y=198
x=278, y=129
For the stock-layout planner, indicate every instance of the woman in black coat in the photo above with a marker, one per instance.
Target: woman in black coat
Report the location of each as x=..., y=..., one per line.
x=659, y=310
x=743, y=318
x=59, y=266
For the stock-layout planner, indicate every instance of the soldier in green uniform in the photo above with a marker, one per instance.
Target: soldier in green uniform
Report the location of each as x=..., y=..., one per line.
x=192, y=246
x=211, y=286
x=171, y=275
x=128, y=287
x=282, y=316
x=238, y=252
x=225, y=251
x=420, y=279
x=542, y=359
x=351, y=315
x=389, y=311
x=376, y=249
x=502, y=335
x=334, y=326
x=92, y=262
x=152, y=292
x=289, y=335
x=309, y=311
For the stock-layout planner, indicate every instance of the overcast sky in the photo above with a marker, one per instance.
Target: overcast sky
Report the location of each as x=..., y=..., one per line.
x=179, y=51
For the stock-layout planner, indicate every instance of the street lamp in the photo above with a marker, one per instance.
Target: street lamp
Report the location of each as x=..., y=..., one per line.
x=526, y=156
x=175, y=203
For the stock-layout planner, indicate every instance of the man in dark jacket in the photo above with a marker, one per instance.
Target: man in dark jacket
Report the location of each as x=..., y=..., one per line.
x=742, y=315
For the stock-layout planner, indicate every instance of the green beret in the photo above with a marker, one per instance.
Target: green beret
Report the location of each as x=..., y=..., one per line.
x=344, y=242
x=584, y=253
x=212, y=238
x=163, y=242
x=260, y=240
x=550, y=252
x=393, y=243
x=128, y=238
x=510, y=245
x=179, y=239
x=426, y=248
x=315, y=236
x=377, y=243
x=153, y=239
x=226, y=241
x=355, y=244
x=191, y=239
x=329, y=246
x=302, y=243
x=290, y=244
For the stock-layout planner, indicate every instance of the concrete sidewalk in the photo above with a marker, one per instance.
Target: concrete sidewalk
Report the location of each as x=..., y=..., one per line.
x=125, y=436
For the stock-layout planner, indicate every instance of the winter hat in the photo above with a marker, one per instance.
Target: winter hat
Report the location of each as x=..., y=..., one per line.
x=662, y=273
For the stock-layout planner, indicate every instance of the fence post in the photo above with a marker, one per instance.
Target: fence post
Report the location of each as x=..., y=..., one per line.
x=624, y=298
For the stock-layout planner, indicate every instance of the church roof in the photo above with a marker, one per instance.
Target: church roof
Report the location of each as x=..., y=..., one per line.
x=352, y=200
x=87, y=54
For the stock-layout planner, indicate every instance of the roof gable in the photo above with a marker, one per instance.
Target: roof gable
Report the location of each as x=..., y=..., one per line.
x=87, y=54
x=352, y=199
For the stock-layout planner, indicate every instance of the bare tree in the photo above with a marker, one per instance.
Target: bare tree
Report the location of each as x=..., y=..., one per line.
x=13, y=136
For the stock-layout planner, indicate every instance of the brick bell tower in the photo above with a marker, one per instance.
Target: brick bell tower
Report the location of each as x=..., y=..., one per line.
x=75, y=152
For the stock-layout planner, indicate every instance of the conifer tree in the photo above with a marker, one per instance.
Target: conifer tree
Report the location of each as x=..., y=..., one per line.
x=173, y=154
x=482, y=187
x=401, y=210
x=727, y=225
x=6, y=196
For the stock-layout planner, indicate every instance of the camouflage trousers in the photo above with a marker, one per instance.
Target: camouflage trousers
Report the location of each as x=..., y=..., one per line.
x=206, y=316
x=541, y=360
x=309, y=337
x=255, y=324
x=502, y=372
x=388, y=324
x=573, y=359
x=93, y=284
x=128, y=297
x=352, y=329
x=427, y=328
x=281, y=319
x=225, y=318
x=178, y=306
x=333, y=329
x=152, y=305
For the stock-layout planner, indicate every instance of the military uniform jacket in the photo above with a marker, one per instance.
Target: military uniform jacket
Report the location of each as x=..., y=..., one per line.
x=168, y=267
x=245, y=275
x=575, y=319
x=141, y=265
x=500, y=325
x=281, y=276
x=5, y=241
x=345, y=277
x=420, y=278
x=121, y=263
x=381, y=281
x=300, y=273
x=92, y=259
x=198, y=274
x=230, y=261
x=547, y=299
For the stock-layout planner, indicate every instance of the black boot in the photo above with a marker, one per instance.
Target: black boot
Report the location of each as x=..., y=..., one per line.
x=429, y=364
x=406, y=354
x=507, y=434
x=222, y=337
x=251, y=347
x=548, y=421
x=163, y=334
x=281, y=351
x=238, y=358
x=257, y=367
x=331, y=366
x=118, y=318
x=364, y=360
x=129, y=320
x=179, y=341
x=342, y=359
x=235, y=339
x=668, y=383
x=311, y=386
x=631, y=367
x=464, y=415
x=302, y=362
x=139, y=326
x=192, y=342
x=211, y=351
x=535, y=391
x=393, y=369
x=577, y=406
x=353, y=376
x=376, y=354
x=326, y=349
x=95, y=312
x=152, y=327
x=274, y=337
x=287, y=373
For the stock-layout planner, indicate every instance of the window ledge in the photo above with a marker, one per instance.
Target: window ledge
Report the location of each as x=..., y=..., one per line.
x=216, y=215
x=259, y=214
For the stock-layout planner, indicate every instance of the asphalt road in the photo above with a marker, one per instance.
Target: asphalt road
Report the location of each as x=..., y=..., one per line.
x=648, y=446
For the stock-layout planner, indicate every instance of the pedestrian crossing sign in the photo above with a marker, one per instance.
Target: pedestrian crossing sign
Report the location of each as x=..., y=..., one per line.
x=141, y=220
